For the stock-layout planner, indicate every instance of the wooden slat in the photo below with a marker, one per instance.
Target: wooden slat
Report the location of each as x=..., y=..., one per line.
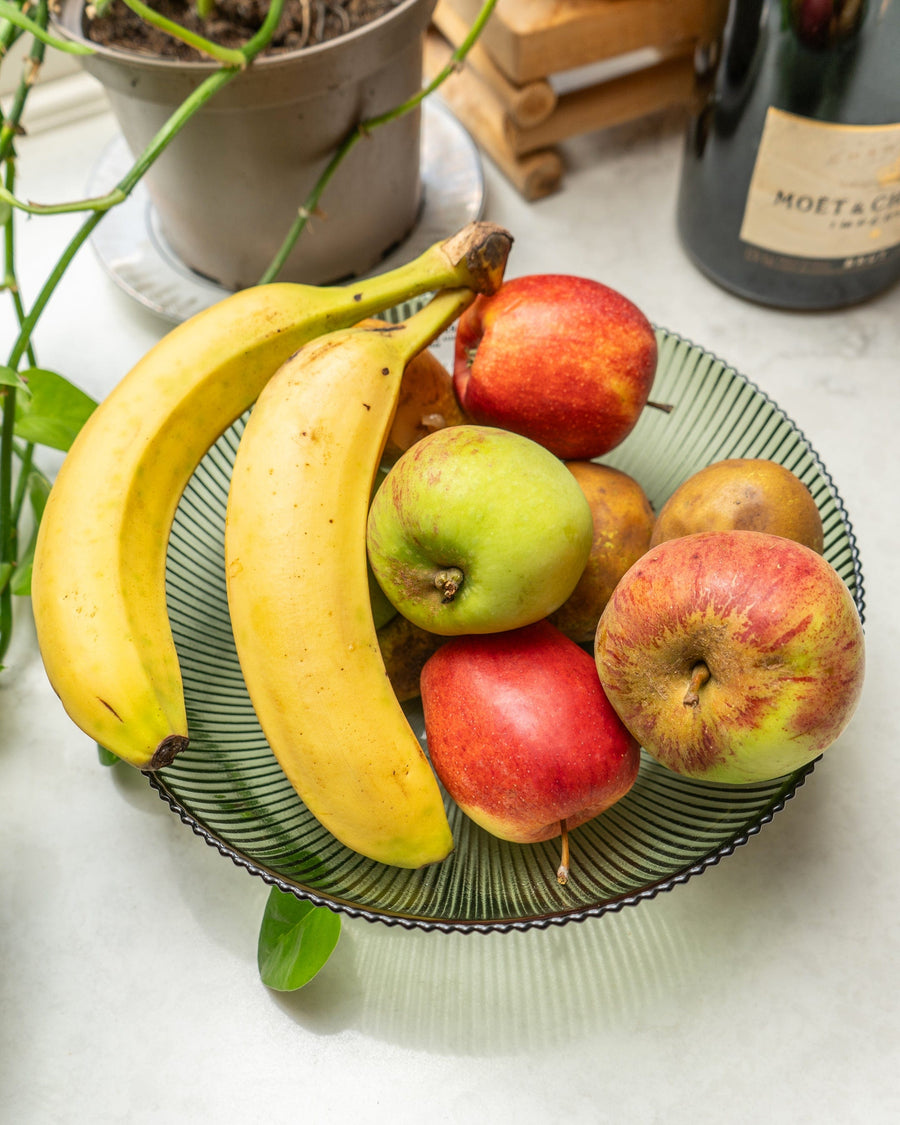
x=478, y=109
x=669, y=83
x=533, y=39
x=527, y=105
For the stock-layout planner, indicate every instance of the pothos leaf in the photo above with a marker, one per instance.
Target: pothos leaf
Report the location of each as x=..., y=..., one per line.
x=53, y=411
x=295, y=940
x=9, y=377
x=106, y=757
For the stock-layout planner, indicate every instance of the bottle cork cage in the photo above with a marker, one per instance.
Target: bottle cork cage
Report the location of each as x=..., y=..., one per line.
x=543, y=71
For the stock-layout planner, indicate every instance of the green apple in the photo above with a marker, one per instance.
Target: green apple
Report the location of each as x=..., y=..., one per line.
x=478, y=530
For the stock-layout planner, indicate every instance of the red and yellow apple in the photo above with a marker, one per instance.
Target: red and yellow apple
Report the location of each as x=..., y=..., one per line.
x=732, y=656
x=564, y=360
x=522, y=735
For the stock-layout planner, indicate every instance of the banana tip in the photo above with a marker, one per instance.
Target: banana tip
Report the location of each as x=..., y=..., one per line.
x=165, y=754
x=484, y=247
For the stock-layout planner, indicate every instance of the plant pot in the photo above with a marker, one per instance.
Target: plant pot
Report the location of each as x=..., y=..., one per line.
x=228, y=187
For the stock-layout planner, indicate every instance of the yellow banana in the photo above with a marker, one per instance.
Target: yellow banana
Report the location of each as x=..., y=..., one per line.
x=298, y=596
x=98, y=589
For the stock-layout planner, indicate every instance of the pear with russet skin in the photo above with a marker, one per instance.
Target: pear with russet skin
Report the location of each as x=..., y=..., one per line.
x=404, y=649
x=427, y=403
x=623, y=524
x=742, y=494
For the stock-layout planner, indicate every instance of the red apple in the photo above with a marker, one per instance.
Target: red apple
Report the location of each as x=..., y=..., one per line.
x=563, y=360
x=732, y=656
x=521, y=734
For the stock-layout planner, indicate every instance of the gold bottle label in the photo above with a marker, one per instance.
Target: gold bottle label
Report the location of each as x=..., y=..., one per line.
x=825, y=192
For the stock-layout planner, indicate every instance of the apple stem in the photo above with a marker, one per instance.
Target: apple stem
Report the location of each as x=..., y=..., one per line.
x=562, y=872
x=448, y=582
x=699, y=675
x=665, y=407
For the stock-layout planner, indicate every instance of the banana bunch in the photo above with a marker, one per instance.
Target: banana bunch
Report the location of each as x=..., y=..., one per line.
x=98, y=587
x=295, y=525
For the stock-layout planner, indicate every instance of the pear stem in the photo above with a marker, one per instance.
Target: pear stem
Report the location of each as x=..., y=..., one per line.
x=699, y=675
x=448, y=582
x=562, y=872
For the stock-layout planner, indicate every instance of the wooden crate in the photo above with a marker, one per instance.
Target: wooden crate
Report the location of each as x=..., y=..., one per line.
x=519, y=92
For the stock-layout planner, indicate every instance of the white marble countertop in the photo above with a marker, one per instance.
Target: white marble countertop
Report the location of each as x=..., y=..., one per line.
x=765, y=989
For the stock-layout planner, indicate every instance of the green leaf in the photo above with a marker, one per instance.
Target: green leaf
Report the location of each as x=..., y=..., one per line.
x=54, y=410
x=106, y=757
x=38, y=491
x=295, y=940
x=11, y=378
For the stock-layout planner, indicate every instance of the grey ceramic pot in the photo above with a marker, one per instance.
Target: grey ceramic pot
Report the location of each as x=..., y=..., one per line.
x=228, y=187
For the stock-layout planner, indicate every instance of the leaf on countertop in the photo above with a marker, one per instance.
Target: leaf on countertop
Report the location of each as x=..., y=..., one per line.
x=106, y=757
x=295, y=940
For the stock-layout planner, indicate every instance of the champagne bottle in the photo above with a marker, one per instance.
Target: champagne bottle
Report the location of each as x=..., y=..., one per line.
x=790, y=186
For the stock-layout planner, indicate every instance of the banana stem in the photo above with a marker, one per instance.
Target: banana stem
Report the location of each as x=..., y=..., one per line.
x=424, y=327
x=474, y=260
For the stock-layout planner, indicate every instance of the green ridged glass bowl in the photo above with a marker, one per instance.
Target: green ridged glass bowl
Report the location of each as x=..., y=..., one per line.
x=230, y=790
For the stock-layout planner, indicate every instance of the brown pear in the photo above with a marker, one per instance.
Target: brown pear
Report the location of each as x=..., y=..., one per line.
x=405, y=648
x=623, y=522
x=427, y=402
x=742, y=494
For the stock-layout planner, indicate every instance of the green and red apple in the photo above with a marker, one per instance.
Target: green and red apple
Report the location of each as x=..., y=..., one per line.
x=732, y=656
x=564, y=360
x=522, y=735
x=476, y=529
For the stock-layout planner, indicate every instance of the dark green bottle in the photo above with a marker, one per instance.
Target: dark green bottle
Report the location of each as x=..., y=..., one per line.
x=790, y=188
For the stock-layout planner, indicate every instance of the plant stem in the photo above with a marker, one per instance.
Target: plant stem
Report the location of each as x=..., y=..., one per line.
x=10, y=282
x=209, y=87
x=26, y=468
x=198, y=98
x=9, y=33
x=365, y=127
x=8, y=511
x=8, y=544
x=96, y=203
x=228, y=56
x=13, y=119
x=34, y=27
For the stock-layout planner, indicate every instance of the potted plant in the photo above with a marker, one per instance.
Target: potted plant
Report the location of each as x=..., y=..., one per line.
x=230, y=183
